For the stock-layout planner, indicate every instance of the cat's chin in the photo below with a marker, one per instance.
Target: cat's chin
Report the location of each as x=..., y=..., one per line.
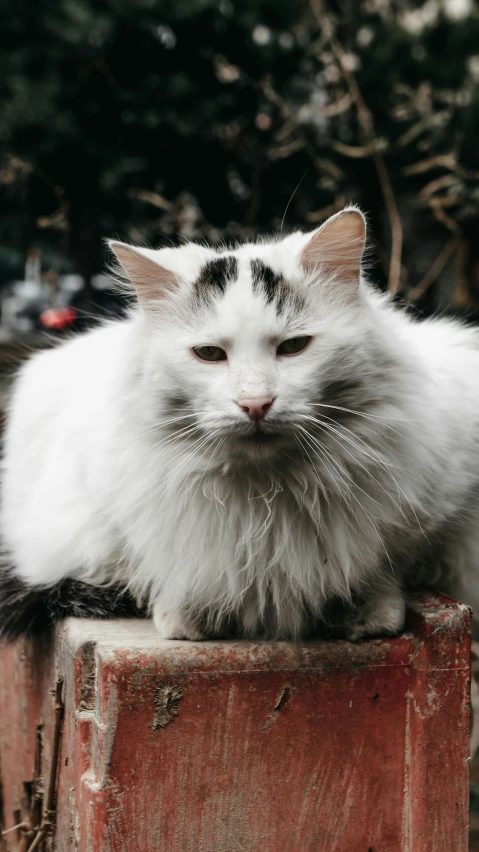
x=259, y=445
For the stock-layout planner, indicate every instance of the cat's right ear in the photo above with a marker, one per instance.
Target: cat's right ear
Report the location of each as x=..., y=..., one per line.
x=335, y=249
x=150, y=280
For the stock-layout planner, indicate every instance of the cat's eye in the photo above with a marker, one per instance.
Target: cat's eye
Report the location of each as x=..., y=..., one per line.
x=293, y=345
x=209, y=353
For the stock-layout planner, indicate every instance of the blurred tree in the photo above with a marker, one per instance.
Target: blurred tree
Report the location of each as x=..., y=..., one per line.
x=147, y=119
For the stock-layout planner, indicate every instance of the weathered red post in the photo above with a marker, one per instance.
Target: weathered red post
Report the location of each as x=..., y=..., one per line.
x=225, y=746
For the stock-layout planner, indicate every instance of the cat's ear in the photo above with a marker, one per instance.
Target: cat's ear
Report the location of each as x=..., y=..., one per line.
x=151, y=280
x=336, y=248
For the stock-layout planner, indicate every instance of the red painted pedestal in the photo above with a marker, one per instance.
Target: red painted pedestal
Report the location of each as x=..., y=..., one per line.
x=239, y=746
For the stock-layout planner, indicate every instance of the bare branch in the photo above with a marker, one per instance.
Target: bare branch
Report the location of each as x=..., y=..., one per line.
x=437, y=206
x=284, y=151
x=148, y=197
x=335, y=207
x=367, y=126
x=331, y=168
x=438, y=183
x=356, y=152
x=446, y=161
x=287, y=113
x=444, y=255
x=49, y=812
x=338, y=107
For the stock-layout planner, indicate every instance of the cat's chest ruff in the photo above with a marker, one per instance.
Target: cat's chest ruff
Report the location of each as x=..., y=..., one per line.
x=259, y=511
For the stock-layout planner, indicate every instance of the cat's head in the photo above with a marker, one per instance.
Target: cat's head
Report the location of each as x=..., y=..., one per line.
x=243, y=345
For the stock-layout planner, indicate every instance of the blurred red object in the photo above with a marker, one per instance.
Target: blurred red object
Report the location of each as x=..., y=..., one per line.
x=58, y=318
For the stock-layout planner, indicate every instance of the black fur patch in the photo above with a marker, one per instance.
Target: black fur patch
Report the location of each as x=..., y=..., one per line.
x=177, y=400
x=215, y=276
x=177, y=406
x=347, y=393
x=273, y=286
x=351, y=380
x=30, y=610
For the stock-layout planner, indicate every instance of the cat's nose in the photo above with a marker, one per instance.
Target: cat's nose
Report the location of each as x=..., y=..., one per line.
x=256, y=408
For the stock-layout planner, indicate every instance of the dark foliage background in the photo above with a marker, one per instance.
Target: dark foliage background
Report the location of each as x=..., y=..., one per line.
x=161, y=119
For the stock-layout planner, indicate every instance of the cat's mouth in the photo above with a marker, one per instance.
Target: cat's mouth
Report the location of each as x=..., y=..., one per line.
x=261, y=436
x=261, y=440
x=258, y=440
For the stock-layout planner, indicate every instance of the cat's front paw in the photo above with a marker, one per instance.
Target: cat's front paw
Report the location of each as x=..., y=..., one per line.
x=176, y=625
x=384, y=616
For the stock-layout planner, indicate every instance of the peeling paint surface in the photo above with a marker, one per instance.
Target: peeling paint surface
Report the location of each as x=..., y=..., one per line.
x=166, y=697
x=240, y=746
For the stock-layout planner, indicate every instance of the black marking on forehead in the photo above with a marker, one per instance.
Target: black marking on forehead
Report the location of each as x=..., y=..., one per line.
x=215, y=276
x=264, y=277
x=274, y=287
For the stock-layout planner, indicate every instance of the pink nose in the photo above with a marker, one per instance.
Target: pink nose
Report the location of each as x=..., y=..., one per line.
x=257, y=408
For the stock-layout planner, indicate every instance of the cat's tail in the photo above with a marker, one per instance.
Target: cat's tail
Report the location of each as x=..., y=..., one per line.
x=29, y=610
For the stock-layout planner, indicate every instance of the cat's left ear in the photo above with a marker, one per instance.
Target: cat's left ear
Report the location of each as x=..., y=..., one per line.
x=151, y=280
x=336, y=248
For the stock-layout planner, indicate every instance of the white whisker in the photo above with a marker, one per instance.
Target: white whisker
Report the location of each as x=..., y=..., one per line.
x=375, y=459
x=381, y=540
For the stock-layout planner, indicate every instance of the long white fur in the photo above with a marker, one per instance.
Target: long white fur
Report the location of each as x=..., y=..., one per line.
x=102, y=483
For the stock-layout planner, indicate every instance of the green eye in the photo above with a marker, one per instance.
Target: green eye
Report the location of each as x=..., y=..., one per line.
x=209, y=353
x=293, y=345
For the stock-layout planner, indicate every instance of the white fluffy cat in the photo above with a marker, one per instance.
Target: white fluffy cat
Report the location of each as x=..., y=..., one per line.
x=264, y=437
